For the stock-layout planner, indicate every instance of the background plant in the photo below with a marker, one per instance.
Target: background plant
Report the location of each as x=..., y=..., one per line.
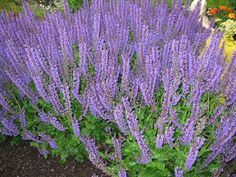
x=132, y=83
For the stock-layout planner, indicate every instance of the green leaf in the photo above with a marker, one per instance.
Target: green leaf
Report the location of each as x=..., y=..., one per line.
x=151, y=172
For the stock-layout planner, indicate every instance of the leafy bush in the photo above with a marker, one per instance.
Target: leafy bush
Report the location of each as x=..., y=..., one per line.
x=130, y=84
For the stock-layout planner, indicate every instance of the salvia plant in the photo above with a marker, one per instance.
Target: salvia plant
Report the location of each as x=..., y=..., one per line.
x=132, y=85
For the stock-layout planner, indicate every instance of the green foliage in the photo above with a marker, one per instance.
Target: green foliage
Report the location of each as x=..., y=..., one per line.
x=83, y=84
x=15, y=140
x=91, y=68
x=2, y=138
x=10, y=6
x=77, y=55
x=75, y=4
x=216, y=3
x=134, y=61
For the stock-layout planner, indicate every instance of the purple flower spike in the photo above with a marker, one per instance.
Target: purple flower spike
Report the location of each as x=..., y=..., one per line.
x=94, y=153
x=44, y=117
x=193, y=152
x=122, y=173
x=134, y=129
x=10, y=126
x=49, y=140
x=75, y=126
x=30, y=136
x=23, y=120
x=169, y=134
x=178, y=172
x=55, y=122
x=119, y=117
x=159, y=141
x=43, y=152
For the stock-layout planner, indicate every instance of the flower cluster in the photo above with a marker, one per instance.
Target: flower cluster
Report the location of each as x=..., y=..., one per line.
x=222, y=10
x=127, y=52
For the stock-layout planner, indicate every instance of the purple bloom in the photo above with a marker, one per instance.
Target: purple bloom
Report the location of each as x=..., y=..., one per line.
x=4, y=103
x=224, y=133
x=175, y=99
x=54, y=99
x=167, y=79
x=119, y=117
x=94, y=153
x=43, y=152
x=117, y=146
x=230, y=152
x=30, y=136
x=55, y=122
x=10, y=126
x=135, y=87
x=169, y=134
x=49, y=140
x=23, y=119
x=75, y=126
x=178, y=172
x=134, y=129
x=44, y=117
x=216, y=114
x=66, y=94
x=7, y=132
x=193, y=152
x=122, y=173
x=159, y=141
x=188, y=130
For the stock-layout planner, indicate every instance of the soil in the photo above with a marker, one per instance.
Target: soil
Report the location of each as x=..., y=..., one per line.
x=23, y=160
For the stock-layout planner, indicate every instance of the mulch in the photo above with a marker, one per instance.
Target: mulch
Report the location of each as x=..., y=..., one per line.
x=23, y=160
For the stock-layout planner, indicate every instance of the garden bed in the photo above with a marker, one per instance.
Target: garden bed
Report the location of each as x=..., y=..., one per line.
x=24, y=160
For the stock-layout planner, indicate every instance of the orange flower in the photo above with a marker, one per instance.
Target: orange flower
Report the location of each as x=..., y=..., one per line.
x=213, y=11
x=223, y=8
x=230, y=10
x=232, y=15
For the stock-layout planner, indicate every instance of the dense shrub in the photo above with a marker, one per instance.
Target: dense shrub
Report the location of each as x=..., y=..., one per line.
x=130, y=82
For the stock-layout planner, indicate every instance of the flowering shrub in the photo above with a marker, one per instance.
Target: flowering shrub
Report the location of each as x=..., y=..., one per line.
x=128, y=83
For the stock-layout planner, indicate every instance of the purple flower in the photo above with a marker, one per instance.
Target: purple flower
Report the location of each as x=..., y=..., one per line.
x=119, y=117
x=7, y=132
x=169, y=134
x=188, y=130
x=43, y=152
x=49, y=140
x=224, y=133
x=44, y=117
x=54, y=99
x=66, y=94
x=159, y=141
x=230, y=152
x=193, y=152
x=55, y=122
x=75, y=126
x=216, y=114
x=23, y=120
x=4, y=103
x=10, y=126
x=178, y=172
x=134, y=129
x=30, y=136
x=94, y=153
x=122, y=173
x=117, y=146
